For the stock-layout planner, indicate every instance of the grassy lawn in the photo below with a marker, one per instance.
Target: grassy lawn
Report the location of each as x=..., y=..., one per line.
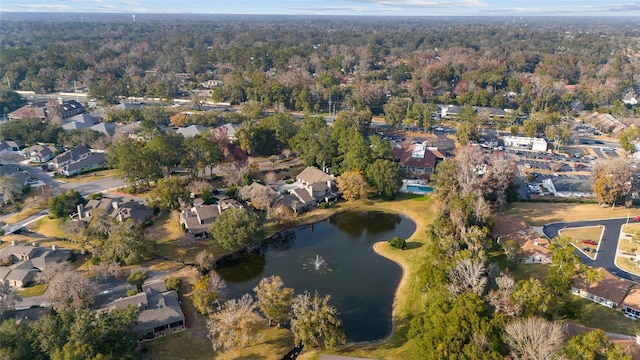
x=85, y=178
x=538, y=214
x=48, y=227
x=25, y=213
x=593, y=233
x=598, y=316
x=34, y=290
x=526, y=271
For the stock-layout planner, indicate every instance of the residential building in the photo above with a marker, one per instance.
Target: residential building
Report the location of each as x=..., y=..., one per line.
x=10, y=146
x=250, y=192
x=314, y=186
x=227, y=130
x=630, y=306
x=115, y=209
x=21, y=263
x=525, y=143
x=70, y=156
x=418, y=160
x=198, y=219
x=39, y=110
x=160, y=311
x=605, y=122
x=535, y=249
x=193, y=131
x=609, y=292
x=79, y=122
x=569, y=187
x=40, y=153
x=93, y=161
x=104, y=128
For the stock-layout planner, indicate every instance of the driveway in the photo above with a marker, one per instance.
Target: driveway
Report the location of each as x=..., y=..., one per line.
x=607, y=249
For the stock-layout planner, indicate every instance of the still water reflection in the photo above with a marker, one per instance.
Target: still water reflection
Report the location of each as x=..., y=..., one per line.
x=361, y=283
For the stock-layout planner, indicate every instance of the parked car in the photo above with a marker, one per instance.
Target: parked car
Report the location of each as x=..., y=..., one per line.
x=589, y=242
x=636, y=218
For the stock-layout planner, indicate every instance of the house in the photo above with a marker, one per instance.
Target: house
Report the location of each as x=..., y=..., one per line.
x=609, y=292
x=104, y=128
x=316, y=184
x=115, y=209
x=160, y=312
x=569, y=187
x=630, y=99
x=525, y=143
x=70, y=156
x=10, y=146
x=40, y=153
x=417, y=159
x=198, y=219
x=40, y=110
x=93, y=161
x=210, y=84
x=193, y=131
x=605, y=122
x=630, y=306
x=79, y=122
x=227, y=130
x=534, y=249
x=21, y=263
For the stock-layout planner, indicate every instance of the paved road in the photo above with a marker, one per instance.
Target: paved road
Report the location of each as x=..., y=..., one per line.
x=94, y=186
x=607, y=248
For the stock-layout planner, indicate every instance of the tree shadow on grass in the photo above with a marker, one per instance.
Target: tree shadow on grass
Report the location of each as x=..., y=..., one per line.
x=410, y=245
x=250, y=357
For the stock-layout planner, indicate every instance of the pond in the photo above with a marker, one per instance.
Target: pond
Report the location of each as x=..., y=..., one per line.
x=334, y=257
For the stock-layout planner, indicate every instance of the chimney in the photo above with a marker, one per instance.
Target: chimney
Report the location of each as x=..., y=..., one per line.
x=35, y=244
x=14, y=243
x=54, y=247
x=80, y=209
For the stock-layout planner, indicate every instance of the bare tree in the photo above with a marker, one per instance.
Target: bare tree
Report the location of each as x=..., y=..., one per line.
x=69, y=289
x=468, y=275
x=187, y=240
x=533, y=338
x=108, y=269
x=199, y=186
x=215, y=282
x=501, y=299
x=235, y=326
x=233, y=173
x=264, y=199
x=280, y=213
x=205, y=261
x=9, y=297
x=270, y=178
x=52, y=270
x=287, y=153
x=74, y=229
x=10, y=189
x=469, y=161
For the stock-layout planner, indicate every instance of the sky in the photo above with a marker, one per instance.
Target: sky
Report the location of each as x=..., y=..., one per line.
x=338, y=7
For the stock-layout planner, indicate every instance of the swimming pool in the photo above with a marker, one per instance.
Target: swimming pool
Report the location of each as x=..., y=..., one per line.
x=419, y=189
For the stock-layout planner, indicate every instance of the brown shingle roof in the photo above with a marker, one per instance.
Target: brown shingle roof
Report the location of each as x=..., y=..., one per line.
x=610, y=287
x=633, y=299
x=313, y=175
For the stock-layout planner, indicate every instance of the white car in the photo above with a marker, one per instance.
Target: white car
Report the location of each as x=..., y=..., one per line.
x=439, y=128
x=527, y=165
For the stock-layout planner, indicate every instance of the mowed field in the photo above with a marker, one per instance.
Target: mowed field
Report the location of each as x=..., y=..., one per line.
x=541, y=213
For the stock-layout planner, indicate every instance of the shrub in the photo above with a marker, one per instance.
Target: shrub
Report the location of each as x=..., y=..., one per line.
x=132, y=292
x=323, y=205
x=173, y=283
x=397, y=243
